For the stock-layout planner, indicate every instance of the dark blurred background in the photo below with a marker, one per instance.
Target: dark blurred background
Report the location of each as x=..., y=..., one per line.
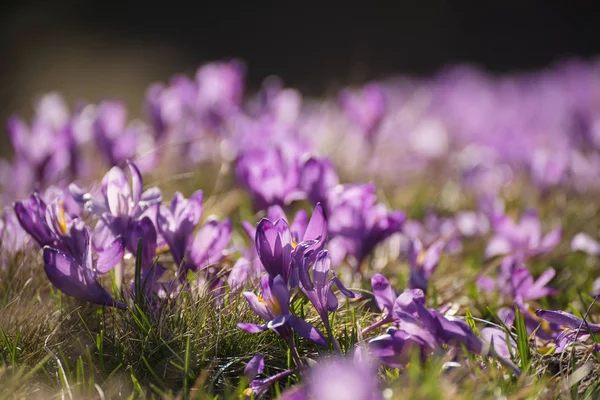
x=97, y=49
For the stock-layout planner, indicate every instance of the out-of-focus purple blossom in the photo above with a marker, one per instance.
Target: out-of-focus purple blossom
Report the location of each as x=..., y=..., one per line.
x=273, y=306
x=115, y=138
x=270, y=176
x=259, y=387
x=75, y=273
x=177, y=223
x=515, y=281
x=317, y=178
x=342, y=379
x=497, y=339
x=573, y=328
x=357, y=223
x=523, y=239
x=365, y=108
x=585, y=243
x=45, y=152
x=423, y=263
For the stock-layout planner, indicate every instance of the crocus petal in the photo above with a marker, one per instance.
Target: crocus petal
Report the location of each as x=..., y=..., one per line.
x=137, y=184
x=299, y=224
x=306, y=330
x=110, y=256
x=258, y=306
x=585, y=243
x=497, y=339
x=274, y=248
x=275, y=213
x=551, y=240
x=497, y=246
x=565, y=319
x=383, y=292
x=255, y=367
x=332, y=301
x=209, y=243
x=317, y=226
x=117, y=192
x=281, y=293
x=278, y=322
x=347, y=292
x=70, y=278
x=251, y=328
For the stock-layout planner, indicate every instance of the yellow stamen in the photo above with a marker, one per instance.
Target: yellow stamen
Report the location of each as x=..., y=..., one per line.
x=294, y=243
x=60, y=219
x=421, y=258
x=248, y=392
x=162, y=250
x=272, y=304
x=545, y=325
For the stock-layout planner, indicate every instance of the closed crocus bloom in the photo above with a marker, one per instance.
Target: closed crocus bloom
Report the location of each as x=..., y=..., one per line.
x=270, y=176
x=523, y=239
x=318, y=287
x=423, y=262
x=281, y=250
x=317, y=178
x=357, y=223
x=365, y=108
x=117, y=140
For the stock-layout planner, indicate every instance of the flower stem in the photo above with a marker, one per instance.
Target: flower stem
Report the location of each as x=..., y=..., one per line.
x=374, y=326
x=332, y=339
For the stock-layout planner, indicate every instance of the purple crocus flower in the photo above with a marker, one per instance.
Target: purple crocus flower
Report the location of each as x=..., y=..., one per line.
x=52, y=226
x=119, y=205
x=319, y=291
x=273, y=306
x=340, y=379
x=516, y=282
x=271, y=176
x=357, y=223
x=573, y=328
x=45, y=152
x=259, y=387
x=423, y=263
x=280, y=250
x=366, y=108
x=177, y=223
x=116, y=140
x=317, y=178
x=75, y=273
x=585, y=243
x=523, y=239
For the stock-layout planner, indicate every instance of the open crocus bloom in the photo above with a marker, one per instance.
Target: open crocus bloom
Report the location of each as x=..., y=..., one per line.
x=273, y=306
